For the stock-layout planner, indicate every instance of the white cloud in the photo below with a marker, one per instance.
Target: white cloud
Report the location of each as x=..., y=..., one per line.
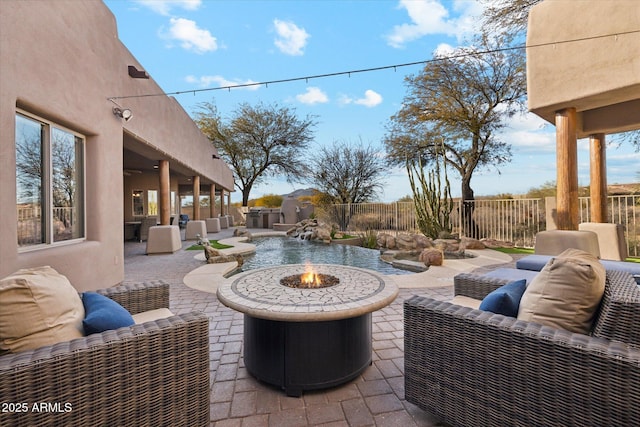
x=313, y=95
x=208, y=81
x=444, y=50
x=290, y=39
x=163, y=7
x=432, y=17
x=371, y=99
x=190, y=36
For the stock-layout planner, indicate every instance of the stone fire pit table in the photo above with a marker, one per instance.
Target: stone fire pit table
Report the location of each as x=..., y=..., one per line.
x=304, y=339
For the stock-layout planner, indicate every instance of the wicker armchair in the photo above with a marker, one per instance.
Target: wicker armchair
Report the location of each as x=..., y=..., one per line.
x=153, y=374
x=476, y=368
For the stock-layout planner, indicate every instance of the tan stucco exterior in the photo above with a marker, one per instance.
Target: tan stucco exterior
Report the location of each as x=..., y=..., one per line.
x=583, y=75
x=586, y=55
x=61, y=60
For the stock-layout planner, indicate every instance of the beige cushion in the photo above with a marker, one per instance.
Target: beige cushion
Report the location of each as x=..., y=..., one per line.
x=566, y=293
x=611, y=240
x=466, y=301
x=39, y=307
x=148, y=316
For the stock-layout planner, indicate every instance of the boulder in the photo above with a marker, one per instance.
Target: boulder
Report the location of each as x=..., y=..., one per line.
x=493, y=243
x=210, y=252
x=242, y=232
x=469, y=243
x=226, y=258
x=406, y=241
x=423, y=241
x=446, y=245
x=431, y=256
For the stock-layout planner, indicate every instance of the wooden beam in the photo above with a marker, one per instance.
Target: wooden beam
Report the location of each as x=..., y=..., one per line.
x=196, y=198
x=598, y=177
x=165, y=193
x=212, y=201
x=567, y=169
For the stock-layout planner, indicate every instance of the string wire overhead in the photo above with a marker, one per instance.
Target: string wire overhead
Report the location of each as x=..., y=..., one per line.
x=367, y=70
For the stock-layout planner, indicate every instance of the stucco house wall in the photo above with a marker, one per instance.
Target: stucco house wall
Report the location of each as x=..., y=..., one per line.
x=585, y=55
x=61, y=60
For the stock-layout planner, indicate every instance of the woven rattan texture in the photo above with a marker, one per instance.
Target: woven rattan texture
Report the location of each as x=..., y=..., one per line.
x=475, y=368
x=154, y=374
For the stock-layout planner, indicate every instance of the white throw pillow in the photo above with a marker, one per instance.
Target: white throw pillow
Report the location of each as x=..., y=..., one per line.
x=566, y=293
x=38, y=307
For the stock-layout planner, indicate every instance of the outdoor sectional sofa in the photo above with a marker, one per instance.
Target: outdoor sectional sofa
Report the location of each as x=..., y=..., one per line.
x=150, y=374
x=476, y=368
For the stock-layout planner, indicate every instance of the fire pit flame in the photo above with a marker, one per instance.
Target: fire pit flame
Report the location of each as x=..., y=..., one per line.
x=310, y=279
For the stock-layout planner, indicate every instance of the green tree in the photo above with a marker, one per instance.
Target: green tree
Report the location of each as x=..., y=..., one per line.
x=349, y=173
x=269, y=201
x=460, y=102
x=258, y=142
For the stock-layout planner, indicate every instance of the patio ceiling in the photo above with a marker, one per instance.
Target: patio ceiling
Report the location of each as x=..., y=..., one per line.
x=138, y=156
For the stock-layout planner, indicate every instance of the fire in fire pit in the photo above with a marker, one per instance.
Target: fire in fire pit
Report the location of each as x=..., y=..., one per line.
x=309, y=280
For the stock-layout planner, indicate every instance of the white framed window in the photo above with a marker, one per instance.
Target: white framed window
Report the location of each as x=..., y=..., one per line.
x=50, y=182
x=137, y=202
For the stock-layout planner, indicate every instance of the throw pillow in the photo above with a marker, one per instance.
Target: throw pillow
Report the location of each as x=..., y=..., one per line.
x=566, y=293
x=103, y=314
x=506, y=299
x=39, y=307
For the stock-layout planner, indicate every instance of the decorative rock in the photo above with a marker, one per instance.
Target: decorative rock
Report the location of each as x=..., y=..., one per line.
x=493, y=243
x=405, y=242
x=226, y=258
x=446, y=245
x=242, y=232
x=469, y=243
x=422, y=241
x=210, y=252
x=431, y=257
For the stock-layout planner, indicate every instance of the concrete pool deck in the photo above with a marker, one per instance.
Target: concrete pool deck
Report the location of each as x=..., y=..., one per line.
x=208, y=277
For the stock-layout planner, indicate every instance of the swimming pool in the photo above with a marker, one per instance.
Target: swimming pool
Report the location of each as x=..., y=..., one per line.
x=272, y=251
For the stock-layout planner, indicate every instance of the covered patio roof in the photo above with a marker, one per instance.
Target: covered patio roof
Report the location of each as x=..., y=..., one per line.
x=583, y=75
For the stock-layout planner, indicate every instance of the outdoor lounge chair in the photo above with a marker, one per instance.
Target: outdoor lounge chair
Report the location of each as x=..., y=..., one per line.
x=145, y=225
x=151, y=374
x=475, y=368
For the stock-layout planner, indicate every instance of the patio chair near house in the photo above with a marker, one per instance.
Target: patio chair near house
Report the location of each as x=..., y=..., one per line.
x=145, y=224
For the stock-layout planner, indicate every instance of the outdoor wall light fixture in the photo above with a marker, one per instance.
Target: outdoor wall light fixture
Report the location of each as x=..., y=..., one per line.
x=124, y=113
x=215, y=156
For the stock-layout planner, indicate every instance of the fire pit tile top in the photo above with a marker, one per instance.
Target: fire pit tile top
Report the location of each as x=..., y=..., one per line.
x=260, y=293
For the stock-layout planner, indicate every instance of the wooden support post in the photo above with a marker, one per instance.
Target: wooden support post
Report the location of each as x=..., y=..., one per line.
x=222, y=201
x=196, y=198
x=212, y=201
x=598, y=177
x=567, y=169
x=165, y=193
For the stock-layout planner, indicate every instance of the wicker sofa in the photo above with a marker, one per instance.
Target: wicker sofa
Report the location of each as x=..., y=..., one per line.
x=152, y=374
x=476, y=368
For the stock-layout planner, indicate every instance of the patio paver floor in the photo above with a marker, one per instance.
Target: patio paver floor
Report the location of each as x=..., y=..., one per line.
x=374, y=398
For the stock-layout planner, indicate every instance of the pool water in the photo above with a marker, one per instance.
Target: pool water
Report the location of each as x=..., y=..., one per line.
x=273, y=251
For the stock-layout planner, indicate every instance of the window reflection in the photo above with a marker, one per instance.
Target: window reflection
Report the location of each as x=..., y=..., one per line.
x=49, y=183
x=29, y=181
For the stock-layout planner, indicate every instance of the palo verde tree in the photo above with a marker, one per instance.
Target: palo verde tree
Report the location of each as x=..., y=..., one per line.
x=258, y=142
x=459, y=103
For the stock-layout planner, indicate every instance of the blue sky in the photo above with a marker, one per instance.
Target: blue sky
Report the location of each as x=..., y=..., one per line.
x=198, y=44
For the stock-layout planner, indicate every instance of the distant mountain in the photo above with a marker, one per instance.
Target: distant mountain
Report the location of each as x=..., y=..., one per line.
x=300, y=193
